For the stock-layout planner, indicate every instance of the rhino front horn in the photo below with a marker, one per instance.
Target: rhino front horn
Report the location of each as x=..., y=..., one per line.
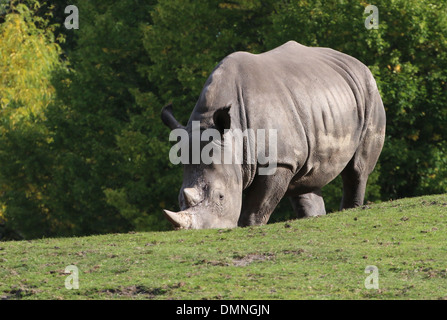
x=180, y=220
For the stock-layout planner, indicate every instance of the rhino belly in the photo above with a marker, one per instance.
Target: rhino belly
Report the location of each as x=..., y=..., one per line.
x=327, y=159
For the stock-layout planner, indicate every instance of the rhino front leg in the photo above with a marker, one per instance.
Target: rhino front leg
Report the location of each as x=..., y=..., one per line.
x=262, y=197
x=308, y=205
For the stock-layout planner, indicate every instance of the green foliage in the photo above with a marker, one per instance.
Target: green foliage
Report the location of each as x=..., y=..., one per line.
x=101, y=164
x=83, y=150
x=184, y=57
x=28, y=57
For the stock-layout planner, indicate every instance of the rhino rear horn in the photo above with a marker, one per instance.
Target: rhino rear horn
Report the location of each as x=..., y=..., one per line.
x=167, y=116
x=180, y=220
x=192, y=196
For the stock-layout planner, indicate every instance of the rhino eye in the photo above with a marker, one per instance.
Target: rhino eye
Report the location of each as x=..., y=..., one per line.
x=221, y=197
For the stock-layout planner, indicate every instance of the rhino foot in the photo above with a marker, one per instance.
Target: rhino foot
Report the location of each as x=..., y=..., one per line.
x=308, y=205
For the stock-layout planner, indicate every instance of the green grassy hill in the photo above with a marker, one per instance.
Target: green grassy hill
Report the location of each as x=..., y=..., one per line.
x=317, y=258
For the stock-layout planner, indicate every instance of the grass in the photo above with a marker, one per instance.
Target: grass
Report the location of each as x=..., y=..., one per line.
x=316, y=258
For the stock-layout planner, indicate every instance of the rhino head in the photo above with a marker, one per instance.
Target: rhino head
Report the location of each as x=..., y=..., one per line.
x=211, y=194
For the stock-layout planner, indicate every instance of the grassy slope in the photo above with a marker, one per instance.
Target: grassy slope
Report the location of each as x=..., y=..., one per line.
x=318, y=258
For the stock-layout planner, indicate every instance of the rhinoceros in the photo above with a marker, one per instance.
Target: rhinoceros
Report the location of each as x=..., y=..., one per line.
x=329, y=119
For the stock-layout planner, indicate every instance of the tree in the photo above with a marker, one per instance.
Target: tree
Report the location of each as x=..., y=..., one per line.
x=28, y=57
x=101, y=121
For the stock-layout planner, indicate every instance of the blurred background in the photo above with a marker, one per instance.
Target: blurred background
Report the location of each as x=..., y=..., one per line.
x=83, y=150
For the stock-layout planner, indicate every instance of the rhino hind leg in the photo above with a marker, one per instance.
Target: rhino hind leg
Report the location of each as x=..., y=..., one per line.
x=355, y=175
x=308, y=205
x=354, y=187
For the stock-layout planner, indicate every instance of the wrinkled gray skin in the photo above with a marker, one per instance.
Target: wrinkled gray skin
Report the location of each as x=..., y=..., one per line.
x=330, y=120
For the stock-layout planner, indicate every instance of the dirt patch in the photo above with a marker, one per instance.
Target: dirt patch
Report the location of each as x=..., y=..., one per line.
x=17, y=293
x=433, y=203
x=211, y=263
x=148, y=293
x=243, y=261
x=135, y=291
x=294, y=252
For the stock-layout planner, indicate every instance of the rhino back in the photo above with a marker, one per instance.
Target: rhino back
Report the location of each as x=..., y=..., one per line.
x=318, y=100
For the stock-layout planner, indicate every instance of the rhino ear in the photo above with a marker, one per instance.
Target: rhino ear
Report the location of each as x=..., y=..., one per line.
x=222, y=119
x=168, y=118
